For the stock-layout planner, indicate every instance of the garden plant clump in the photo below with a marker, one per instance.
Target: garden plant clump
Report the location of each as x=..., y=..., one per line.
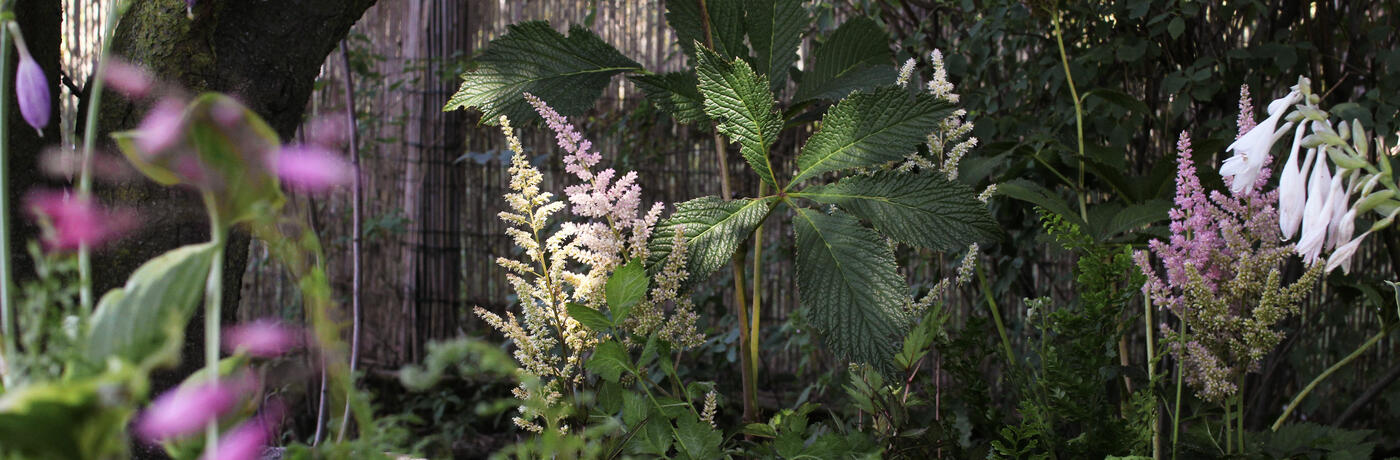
x=981, y=230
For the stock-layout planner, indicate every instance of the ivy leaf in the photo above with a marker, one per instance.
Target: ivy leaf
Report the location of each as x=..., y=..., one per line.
x=626, y=287
x=609, y=360
x=589, y=317
x=567, y=72
x=856, y=56
x=739, y=99
x=726, y=25
x=775, y=29
x=847, y=281
x=675, y=93
x=714, y=228
x=144, y=321
x=923, y=209
x=869, y=129
x=696, y=439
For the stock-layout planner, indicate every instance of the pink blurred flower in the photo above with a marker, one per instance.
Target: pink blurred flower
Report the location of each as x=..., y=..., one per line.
x=73, y=221
x=312, y=168
x=261, y=338
x=329, y=131
x=162, y=128
x=32, y=90
x=184, y=411
x=128, y=79
x=246, y=442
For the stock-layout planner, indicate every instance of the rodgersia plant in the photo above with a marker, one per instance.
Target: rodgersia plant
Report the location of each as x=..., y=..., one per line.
x=846, y=270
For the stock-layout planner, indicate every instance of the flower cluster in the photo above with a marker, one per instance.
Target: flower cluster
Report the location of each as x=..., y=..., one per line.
x=949, y=142
x=1222, y=278
x=573, y=264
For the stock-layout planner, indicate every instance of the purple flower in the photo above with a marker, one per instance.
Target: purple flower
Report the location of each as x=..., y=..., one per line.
x=72, y=221
x=184, y=411
x=162, y=128
x=128, y=79
x=312, y=168
x=262, y=338
x=32, y=90
x=329, y=131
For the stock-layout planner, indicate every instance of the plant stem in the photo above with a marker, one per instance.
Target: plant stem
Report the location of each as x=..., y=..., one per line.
x=1176, y=413
x=1239, y=434
x=996, y=315
x=1152, y=379
x=213, y=300
x=1229, y=446
x=89, y=143
x=1328, y=373
x=757, y=309
x=6, y=320
x=357, y=192
x=1078, y=113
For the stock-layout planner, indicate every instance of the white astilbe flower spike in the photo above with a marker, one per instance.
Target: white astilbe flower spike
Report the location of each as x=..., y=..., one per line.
x=939, y=85
x=906, y=72
x=1252, y=149
x=1292, y=187
x=969, y=264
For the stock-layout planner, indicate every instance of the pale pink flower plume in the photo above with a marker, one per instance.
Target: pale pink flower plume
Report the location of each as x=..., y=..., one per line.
x=71, y=221
x=184, y=411
x=261, y=338
x=162, y=128
x=329, y=131
x=312, y=168
x=128, y=79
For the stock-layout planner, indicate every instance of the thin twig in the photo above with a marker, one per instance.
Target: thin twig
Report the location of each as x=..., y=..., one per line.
x=357, y=192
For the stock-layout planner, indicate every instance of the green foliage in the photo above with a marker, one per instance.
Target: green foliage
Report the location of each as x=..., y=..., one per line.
x=922, y=209
x=870, y=129
x=855, y=57
x=567, y=72
x=675, y=93
x=79, y=419
x=144, y=321
x=775, y=28
x=627, y=286
x=791, y=435
x=742, y=103
x=713, y=229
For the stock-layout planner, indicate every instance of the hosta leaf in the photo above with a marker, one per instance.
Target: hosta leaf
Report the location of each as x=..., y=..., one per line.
x=868, y=129
x=739, y=99
x=847, y=281
x=567, y=72
x=856, y=56
x=775, y=29
x=726, y=25
x=676, y=93
x=923, y=209
x=714, y=228
x=69, y=419
x=144, y=321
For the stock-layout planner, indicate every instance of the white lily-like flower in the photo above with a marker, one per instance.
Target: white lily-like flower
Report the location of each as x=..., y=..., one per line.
x=1292, y=187
x=1342, y=256
x=1252, y=149
x=1315, y=212
x=1337, y=198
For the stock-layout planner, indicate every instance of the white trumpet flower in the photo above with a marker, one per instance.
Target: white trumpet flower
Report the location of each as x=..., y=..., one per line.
x=1337, y=203
x=1315, y=212
x=1292, y=187
x=1342, y=256
x=1252, y=149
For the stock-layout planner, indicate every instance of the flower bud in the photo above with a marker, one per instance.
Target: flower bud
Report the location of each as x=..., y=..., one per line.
x=32, y=90
x=187, y=410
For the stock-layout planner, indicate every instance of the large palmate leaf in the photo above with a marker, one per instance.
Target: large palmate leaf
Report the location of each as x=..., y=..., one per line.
x=869, y=129
x=847, y=281
x=567, y=72
x=923, y=209
x=143, y=322
x=856, y=56
x=676, y=93
x=775, y=29
x=714, y=228
x=726, y=24
x=739, y=99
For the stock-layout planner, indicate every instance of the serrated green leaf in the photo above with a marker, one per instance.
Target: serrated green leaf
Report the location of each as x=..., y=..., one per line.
x=739, y=99
x=655, y=437
x=923, y=209
x=714, y=228
x=856, y=56
x=868, y=129
x=634, y=408
x=144, y=321
x=846, y=280
x=593, y=319
x=1038, y=195
x=726, y=25
x=609, y=361
x=775, y=30
x=626, y=287
x=696, y=439
x=569, y=73
x=676, y=93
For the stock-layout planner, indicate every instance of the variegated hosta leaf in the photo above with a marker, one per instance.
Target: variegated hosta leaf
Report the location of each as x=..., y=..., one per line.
x=739, y=99
x=847, y=282
x=144, y=321
x=869, y=129
x=569, y=73
x=920, y=209
x=714, y=229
